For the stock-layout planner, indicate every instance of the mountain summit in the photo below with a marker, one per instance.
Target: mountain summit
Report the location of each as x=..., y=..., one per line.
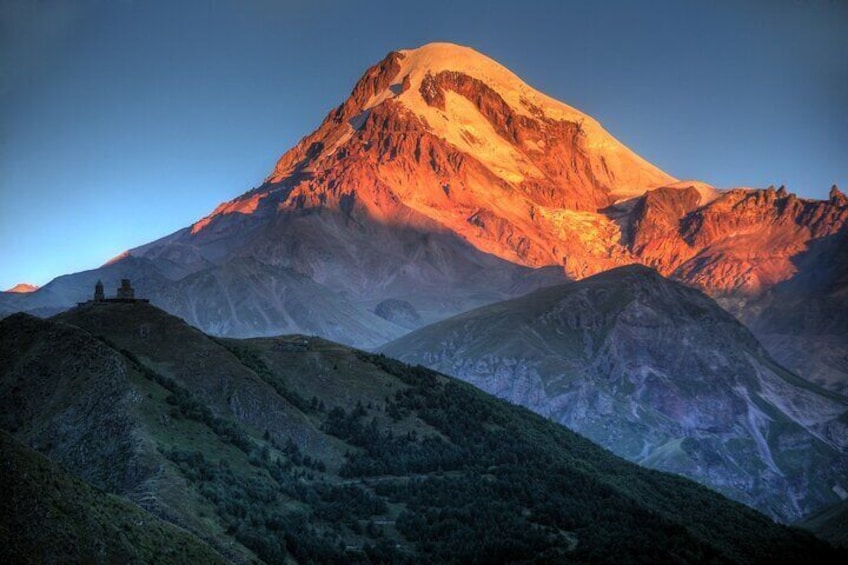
x=23, y=288
x=484, y=110
x=444, y=134
x=444, y=183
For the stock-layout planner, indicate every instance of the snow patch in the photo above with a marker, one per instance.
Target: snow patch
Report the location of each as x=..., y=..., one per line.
x=633, y=174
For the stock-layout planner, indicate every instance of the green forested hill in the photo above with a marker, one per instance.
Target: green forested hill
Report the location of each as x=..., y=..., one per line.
x=48, y=516
x=299, y=449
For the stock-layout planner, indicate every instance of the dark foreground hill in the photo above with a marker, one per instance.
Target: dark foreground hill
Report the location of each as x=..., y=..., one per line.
x=48, y=516
x=296, y=448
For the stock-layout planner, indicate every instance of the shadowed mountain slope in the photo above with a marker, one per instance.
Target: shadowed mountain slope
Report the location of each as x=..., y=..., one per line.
x=658, y=373
x=804, y=320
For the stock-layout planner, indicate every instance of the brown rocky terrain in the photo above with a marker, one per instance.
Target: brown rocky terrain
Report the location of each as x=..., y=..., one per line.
x=776, y=261
x=748, y=241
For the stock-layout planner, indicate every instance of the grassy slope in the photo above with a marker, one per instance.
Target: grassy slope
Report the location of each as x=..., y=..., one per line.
x=47, y=515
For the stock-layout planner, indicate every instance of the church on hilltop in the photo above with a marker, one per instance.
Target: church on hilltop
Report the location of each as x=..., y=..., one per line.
x=126, y=294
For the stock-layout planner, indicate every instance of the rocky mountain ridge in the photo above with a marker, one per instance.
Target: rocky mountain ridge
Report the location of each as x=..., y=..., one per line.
x=659, y=374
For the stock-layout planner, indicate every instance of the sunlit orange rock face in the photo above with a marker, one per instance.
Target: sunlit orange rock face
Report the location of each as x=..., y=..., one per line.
x=743, y=242
x=443, y=183
x=23, y=288
x=443, y=136
x=441, y=142
x=749, y=241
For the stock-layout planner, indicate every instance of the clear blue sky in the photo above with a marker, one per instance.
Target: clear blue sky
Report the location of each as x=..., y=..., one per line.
x=122, y=121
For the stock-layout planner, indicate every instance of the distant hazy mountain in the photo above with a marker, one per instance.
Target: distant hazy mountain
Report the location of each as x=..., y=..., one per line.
x=299, y=449
x=439, y=185
x=23, y=288
x=658, y=373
